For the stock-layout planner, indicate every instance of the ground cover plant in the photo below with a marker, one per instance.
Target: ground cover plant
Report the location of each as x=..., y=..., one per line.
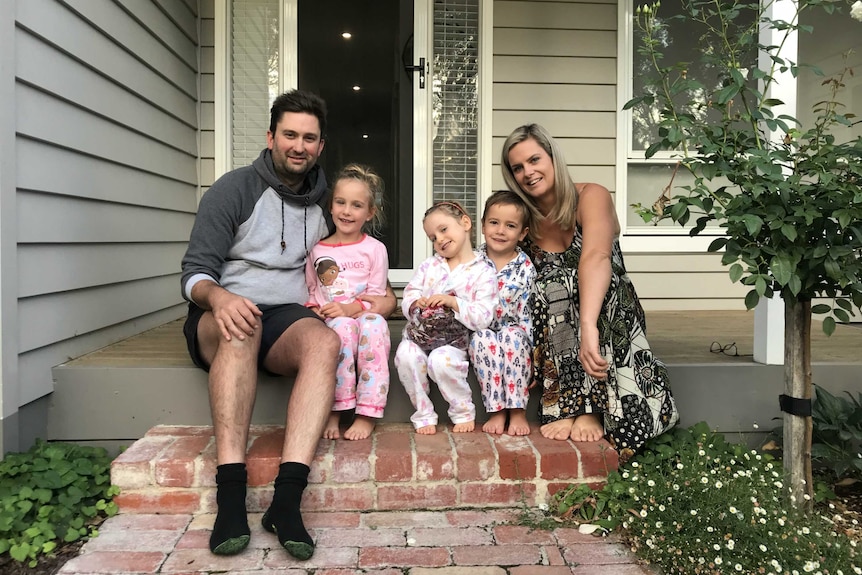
x=52, y=496
x=693, y=503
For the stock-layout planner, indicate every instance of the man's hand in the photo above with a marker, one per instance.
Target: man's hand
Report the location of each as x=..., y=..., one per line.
x=235, y=315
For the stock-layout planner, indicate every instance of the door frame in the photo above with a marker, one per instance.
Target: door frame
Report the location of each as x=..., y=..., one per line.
x=289, y=77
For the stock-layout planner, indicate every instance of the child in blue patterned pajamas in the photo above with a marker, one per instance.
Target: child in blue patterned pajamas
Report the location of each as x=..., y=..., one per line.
x=451, y=293
x=501, y=353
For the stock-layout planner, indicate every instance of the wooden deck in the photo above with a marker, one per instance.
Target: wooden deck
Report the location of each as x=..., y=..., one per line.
x=676, y=338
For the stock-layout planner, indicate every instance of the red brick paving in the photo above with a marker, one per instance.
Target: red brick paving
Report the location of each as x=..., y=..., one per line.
x=397, y=504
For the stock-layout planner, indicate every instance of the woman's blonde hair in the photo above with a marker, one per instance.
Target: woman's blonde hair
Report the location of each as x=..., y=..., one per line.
x=374, y=183
x=564, y=211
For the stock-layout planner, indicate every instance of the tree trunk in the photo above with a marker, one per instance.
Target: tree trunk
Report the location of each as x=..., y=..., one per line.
x=797, y=383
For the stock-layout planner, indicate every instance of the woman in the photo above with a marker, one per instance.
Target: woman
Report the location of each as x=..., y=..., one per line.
x=591, y=354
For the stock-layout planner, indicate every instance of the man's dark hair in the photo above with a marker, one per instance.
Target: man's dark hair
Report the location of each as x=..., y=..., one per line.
x=298, y=101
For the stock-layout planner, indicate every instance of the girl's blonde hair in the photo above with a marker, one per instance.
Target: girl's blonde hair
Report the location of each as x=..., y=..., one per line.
x=375, y=186
x=564, y=211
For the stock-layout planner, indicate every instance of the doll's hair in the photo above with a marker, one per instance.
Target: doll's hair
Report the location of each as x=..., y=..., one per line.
x=375, y=186
x=323, y=263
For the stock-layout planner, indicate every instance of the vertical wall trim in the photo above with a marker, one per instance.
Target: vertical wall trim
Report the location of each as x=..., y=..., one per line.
x=221, y=83
x=486, y=104
x=10, y=392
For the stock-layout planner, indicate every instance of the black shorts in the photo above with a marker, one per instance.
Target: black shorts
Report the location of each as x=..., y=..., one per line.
x=275, y=320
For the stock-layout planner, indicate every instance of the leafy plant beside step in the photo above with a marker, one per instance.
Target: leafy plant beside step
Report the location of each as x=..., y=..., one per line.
x=54, y=493
x=837, y=434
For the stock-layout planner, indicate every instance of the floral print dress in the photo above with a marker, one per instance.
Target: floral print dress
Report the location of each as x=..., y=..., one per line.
x=635, y=401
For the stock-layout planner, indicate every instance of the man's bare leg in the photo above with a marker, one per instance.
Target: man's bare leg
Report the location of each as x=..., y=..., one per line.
x=232, y=385
x=309, y=349
x=587, y=427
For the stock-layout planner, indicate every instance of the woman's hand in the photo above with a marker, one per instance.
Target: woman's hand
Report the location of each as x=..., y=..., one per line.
x=594, y=364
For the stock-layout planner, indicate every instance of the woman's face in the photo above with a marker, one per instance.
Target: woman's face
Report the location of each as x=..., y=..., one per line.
x=533, y=169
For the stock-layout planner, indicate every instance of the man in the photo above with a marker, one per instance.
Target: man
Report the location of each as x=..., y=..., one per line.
x=244, y=276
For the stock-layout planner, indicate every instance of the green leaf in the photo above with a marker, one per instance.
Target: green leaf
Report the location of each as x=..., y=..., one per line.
x=752, y=223
x=735, y=272
x=829, y=326
x=782, y=270
x=789, y=232
x=751, y=299
x=20, y=552
x=820, y=308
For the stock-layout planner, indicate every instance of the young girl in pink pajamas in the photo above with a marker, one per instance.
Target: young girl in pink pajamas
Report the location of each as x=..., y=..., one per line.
x=501, y=353
x=452, y=293
x=339, y=268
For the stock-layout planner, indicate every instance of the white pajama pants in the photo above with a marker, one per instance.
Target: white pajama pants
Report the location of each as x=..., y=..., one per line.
x=448, y=367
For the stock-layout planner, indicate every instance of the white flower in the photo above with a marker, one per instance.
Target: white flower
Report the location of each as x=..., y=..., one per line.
x=702, y=452
x=718, y=561
x=693, y=511
x=634, y=463
x=643, y=513
x=717, y=547
x=856, y=10
x=651, y=483
x=718, y=484
x=704, y=480
x=730, y=544
x=661, y=507
x=733, y=509
x=763, y=547
x=738, y=567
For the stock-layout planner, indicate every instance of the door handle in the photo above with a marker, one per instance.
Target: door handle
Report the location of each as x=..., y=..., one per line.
x=421, y=68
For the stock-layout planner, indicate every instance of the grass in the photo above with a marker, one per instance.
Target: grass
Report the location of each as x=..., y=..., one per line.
x=692, y=503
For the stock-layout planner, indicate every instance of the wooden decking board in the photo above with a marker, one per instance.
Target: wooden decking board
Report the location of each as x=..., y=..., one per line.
x=676, y=338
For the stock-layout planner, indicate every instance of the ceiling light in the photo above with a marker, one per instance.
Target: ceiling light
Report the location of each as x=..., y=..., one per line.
x=364, y=136
x=356, y=88
x=346, y=35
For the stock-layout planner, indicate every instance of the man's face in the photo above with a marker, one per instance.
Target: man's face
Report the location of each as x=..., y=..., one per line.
x=296, y=145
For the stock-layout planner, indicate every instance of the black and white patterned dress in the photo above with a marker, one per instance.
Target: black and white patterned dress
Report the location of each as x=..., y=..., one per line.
x=635, y=401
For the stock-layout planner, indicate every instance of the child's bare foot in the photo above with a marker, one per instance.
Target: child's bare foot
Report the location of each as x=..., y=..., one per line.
x=587, y=427
x=427, y=430
x=496, y=423
x=465, y=427
x=331, y=430
x=560, y=430
x=361, y=428
x=518, y=422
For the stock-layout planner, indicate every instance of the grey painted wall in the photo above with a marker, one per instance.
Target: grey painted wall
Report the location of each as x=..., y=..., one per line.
x=105, y=101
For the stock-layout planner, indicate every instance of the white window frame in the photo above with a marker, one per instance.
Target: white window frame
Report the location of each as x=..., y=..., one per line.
x=643, y=238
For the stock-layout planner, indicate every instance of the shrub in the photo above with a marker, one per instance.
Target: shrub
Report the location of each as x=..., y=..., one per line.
x=53, y=493
x=837, y=433
x=694, y=504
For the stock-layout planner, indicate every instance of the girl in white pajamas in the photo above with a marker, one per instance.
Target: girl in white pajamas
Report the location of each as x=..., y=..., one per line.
x=452, y=293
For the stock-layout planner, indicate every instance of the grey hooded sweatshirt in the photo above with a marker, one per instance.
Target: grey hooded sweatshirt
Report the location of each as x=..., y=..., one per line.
x=241, y=222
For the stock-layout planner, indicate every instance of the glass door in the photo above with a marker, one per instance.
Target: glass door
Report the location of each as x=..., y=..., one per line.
x=361, y=57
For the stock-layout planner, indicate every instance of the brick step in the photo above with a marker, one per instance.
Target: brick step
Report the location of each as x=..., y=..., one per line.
x=172, y=470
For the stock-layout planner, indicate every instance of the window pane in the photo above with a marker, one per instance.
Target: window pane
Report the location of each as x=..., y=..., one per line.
x=681, y=41
x=646, y=183
x=455, y=102
x=254, y=66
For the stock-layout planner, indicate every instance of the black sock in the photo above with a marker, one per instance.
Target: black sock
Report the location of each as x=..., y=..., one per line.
x=283, y=517
x=230, y=533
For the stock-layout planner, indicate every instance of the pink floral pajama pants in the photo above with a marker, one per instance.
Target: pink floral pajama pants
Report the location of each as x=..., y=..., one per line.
x=447, y=366
x=503, y=367
x=365, y=347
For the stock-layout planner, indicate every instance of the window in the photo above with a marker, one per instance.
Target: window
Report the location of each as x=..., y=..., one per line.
x=646, y=179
